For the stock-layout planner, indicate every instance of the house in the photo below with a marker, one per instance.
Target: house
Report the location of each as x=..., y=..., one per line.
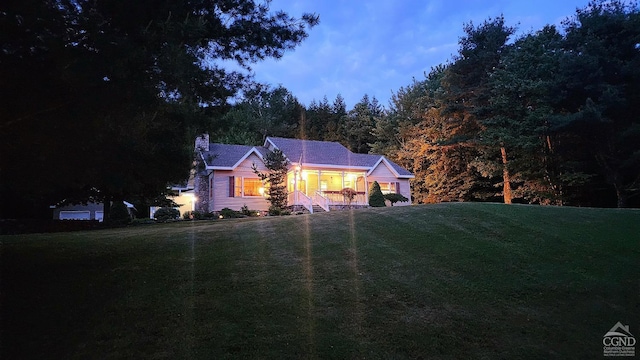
x=318, y=172
x=88, y=211
x=184, y=197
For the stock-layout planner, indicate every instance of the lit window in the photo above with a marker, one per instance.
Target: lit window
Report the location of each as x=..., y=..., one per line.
x=248, y=187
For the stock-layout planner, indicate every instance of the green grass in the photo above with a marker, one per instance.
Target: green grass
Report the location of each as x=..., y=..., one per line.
x=439, y=281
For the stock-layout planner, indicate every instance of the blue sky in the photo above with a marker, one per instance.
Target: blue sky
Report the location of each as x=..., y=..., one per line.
x=375, y=47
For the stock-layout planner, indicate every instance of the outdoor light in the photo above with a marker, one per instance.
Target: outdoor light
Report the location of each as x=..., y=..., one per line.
x=220, y=217
x=261, y=191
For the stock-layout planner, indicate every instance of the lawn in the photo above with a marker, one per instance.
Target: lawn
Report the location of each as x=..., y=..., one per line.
x=436, y=281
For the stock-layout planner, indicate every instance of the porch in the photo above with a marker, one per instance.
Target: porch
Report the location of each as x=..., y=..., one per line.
x=324, y=188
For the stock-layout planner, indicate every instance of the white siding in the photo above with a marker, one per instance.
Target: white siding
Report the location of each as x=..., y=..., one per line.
x=221, y=197
x=382, y=173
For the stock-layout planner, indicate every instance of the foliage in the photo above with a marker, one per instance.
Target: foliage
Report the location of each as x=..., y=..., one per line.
x=376, y=199
x=193, y=215
x=358, y=124
x=348, y=194
x=247, y=212
x=166, y=213
x=262, y=112
x=89, y=83
x=119, y=214
x=276, y=176
x=229, y=213
x=278, y=211
x=395, y=197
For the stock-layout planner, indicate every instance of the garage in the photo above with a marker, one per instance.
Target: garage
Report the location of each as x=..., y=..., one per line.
x=75, y=215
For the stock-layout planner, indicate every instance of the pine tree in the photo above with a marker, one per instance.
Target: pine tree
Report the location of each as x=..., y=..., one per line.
x=376, y=198
x=276, y=177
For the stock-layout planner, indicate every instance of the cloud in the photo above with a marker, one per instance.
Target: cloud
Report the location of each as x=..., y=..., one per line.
x=378, y=46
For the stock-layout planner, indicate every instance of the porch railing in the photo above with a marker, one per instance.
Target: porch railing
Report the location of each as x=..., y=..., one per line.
x=336, y=198
x=322, y=201
x=300, y=198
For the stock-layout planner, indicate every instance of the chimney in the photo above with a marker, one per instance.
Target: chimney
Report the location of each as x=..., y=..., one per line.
x=202, y=143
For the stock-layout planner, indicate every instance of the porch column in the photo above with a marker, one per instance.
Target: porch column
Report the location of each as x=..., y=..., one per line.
x=295, y=186
x=366, y=189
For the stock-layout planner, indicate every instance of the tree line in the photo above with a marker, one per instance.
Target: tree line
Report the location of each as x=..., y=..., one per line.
x=548, y=117
x=101, y=100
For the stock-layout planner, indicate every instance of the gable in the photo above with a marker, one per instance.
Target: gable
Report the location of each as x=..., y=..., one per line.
x=228, y=157
x=381, y=170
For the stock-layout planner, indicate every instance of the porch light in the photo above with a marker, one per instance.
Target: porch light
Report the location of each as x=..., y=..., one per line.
x=261, y=191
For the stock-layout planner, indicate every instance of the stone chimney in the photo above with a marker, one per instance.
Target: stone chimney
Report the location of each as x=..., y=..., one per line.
x=202, y=142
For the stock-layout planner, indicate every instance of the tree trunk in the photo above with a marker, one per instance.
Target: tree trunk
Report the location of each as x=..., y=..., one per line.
x=506, y=191
x=106, y=209
x=620, y=195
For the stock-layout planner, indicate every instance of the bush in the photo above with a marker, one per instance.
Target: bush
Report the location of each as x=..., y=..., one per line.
x=245, y=211
x=119, y=214
x=229, y=214
x=277, y=211
x=376, y=199
x=166, y=214
x=394, y=198
x=193, y=215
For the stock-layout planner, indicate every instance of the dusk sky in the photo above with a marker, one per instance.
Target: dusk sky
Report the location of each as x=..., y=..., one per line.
x=375, y=47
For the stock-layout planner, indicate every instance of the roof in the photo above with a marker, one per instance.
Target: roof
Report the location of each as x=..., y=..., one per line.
x=228, y=157
x=307, y=152
x=314, y=152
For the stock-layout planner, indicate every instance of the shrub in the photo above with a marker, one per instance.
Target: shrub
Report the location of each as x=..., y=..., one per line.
x=119, y=214
x=278, y=211
x=228, y=213
x=348, y=194
x=394, y=198
x=166, y=214
x=193, y=215
x=245, y=211
x=376, y=199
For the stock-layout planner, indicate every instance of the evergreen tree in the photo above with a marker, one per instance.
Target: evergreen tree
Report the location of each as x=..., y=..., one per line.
x=357, y=126
x=276, y=178
x=603, y=83
x=88, y=84
x=467, y=83
x=376, y=198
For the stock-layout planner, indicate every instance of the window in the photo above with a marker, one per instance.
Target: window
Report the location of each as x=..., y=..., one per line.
x=248, y=187
x=388, y=187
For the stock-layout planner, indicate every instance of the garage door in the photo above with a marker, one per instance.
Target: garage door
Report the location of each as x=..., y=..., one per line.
x=75, y=215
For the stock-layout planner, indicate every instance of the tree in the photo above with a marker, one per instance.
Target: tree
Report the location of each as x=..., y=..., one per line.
x=262, y=112
x=376, y=199
x=276, y=178
x=108, y=95
x=348, y=194
x=467, y=83
x=357, y=126
x=395, y=197
x=523, y=89
x=603, y=80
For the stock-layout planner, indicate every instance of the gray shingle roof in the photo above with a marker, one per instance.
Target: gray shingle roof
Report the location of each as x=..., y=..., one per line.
x=328, y=153
x=309, y=151
x=226, y=155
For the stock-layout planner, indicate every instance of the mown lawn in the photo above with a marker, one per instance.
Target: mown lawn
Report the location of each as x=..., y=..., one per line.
x=438, y=281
